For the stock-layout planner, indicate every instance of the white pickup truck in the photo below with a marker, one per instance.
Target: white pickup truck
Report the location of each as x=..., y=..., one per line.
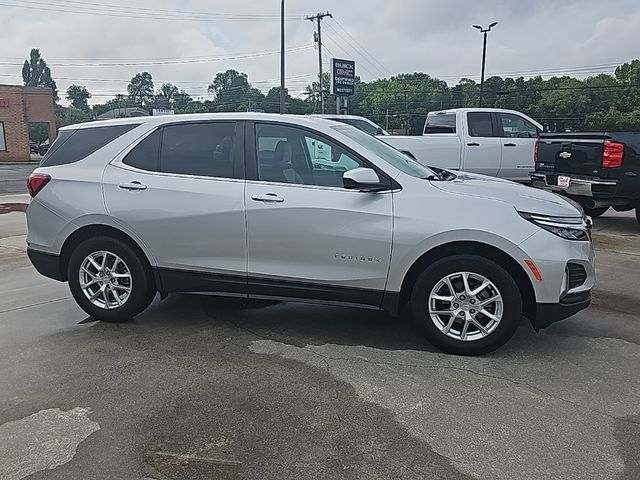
x=489, y=141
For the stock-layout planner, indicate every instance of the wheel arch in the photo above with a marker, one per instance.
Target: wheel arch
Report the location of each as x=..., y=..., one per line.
x=473, y=248
x=90, y=231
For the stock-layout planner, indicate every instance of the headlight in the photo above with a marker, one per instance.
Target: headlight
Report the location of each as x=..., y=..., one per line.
x=569, y=228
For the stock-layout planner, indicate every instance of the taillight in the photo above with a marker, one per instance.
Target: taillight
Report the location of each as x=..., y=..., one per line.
x=612, y=155
x=36, y=182
x=536, y=149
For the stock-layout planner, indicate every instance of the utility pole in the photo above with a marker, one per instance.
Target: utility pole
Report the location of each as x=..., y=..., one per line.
x=484, y=56
x=283, y=107
x=318, y=18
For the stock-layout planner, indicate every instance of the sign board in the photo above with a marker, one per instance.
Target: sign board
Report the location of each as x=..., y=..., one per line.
x=5, y=102
x=162, y=111
x=343, y=77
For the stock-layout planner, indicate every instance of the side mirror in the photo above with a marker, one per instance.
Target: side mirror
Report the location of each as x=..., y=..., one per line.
x=380, y=131
x=363, y=179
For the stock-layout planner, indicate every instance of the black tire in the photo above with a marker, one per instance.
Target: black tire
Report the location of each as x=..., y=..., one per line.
x=507, y=287
x=143, y=289
x=595, y=212
x=638, y=214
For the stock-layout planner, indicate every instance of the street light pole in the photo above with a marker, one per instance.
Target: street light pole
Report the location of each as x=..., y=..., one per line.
x=484, y=31
x=282, y=45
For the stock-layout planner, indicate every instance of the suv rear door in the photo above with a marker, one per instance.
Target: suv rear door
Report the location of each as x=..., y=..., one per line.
x=180, y=191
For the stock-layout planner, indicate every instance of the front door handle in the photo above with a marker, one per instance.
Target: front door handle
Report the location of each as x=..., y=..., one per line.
x=510, y=145
x=473, y=144
x=132, y=186
x=268, y=198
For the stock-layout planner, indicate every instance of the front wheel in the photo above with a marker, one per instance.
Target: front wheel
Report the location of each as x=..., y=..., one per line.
x=108, y=280
x=466, y=305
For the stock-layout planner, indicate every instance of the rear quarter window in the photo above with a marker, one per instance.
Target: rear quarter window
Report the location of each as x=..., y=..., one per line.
x=73, y=145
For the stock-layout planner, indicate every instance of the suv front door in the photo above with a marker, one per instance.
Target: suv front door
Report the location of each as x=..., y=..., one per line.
x=180, y=191
x=307, y=236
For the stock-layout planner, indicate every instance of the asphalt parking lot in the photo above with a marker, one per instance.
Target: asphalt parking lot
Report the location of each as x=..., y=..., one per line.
x=199, y=387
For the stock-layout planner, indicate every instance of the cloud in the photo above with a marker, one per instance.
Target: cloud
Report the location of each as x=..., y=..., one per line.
x=384, y=37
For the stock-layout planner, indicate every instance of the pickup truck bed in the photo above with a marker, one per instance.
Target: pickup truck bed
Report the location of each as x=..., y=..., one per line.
x=597, y=170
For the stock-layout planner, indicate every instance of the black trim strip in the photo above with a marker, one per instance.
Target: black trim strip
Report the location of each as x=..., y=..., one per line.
x=174, y=281
x=311, y=291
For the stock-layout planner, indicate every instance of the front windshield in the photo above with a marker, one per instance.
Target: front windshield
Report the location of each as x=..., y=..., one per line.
x=389, y=154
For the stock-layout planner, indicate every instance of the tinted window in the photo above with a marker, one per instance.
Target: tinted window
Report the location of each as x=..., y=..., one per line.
x=204, y=149
x=514, y=126
x=440, y=123
x=480, y=124
x=292, y=155
x=73, y=145
x=145, y=155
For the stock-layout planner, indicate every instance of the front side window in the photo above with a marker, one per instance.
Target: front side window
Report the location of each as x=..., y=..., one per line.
x=3, y=138
x=386, y=152
x=291, y=155
x=480, y=124
x=514, y=126
x=366, y=127
x=201, y=149
x=440, y=123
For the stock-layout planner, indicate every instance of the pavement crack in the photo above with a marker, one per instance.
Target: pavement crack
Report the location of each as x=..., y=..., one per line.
x=525, y=385
x=38, y=304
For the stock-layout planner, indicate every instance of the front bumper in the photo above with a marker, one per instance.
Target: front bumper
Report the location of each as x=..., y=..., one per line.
x=47, y=264
x=579, y=185
x=549, y=313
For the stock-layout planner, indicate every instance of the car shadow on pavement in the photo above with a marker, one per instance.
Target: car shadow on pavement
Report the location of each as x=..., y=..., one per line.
x=297, y=324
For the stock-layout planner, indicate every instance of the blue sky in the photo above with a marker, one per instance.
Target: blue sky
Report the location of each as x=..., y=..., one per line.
x=384, y=37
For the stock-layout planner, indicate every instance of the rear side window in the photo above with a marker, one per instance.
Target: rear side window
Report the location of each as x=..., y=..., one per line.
x=74, y=145
x=440, y=123
x=145, y=155
x=203, y=149
x=480, y=124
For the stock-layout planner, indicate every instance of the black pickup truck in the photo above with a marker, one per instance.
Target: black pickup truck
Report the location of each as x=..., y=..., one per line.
x=597, y=170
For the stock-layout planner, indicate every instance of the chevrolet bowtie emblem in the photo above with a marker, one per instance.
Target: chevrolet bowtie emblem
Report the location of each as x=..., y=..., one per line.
x=566, y=155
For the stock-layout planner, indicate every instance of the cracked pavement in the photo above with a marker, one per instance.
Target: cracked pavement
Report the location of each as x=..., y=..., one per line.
x=199, y=387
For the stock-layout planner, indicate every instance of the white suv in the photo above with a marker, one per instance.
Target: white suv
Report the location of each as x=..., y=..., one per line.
x=236, y=204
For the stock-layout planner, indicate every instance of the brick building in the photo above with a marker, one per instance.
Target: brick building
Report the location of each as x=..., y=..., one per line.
x=20, y=106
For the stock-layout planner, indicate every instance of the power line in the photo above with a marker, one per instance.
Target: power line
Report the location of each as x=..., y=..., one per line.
x=122, y=12
x=318, y=17
x=171, y=62
x=355, y=50
x=373, y=57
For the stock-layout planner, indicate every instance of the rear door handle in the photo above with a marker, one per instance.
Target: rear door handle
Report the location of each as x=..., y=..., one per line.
x=268, y=198
x=132, y=186
x=510, y=145
x=473, y=144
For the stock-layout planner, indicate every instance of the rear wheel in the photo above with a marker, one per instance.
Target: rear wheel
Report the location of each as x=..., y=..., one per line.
x=595, y=212
x=466, y=305
x=638, y=213
x=109, y=280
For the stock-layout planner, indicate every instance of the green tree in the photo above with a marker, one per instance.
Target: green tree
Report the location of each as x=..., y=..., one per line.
x=166, y=95
x=233, y=92
x=36, y=73
x=70, y=116
x=141, y=89
x=79, y=97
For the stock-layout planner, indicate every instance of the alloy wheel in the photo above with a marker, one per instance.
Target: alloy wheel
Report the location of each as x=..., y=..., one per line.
x=105, y=279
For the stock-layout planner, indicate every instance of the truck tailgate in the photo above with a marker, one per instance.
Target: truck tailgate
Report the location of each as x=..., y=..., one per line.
x=570, y=153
